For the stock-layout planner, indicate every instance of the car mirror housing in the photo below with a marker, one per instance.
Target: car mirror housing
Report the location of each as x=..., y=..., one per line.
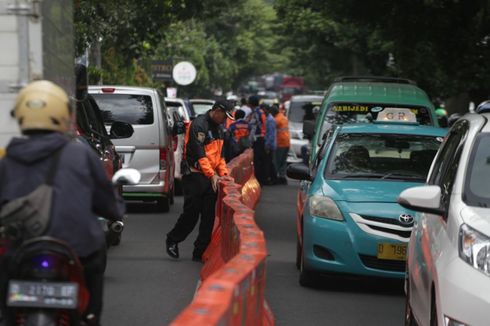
x=299, y=171
x=121, y=130
x=426, y=199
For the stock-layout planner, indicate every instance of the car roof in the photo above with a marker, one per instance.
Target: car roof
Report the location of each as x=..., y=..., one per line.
x=302, y=98
x=392, y=128
x=376, y=92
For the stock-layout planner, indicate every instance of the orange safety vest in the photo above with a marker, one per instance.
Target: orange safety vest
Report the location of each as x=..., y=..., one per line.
x=240, y=129
x=282, y=130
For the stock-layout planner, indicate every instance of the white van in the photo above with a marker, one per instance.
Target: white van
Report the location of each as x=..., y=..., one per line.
x=150, y=149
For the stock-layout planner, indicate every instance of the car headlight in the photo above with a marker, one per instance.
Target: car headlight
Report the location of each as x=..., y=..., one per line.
x=324, y=207
x=474, y=248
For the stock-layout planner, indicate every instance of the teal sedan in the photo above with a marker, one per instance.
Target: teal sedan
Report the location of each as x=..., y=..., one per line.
x=348, y=218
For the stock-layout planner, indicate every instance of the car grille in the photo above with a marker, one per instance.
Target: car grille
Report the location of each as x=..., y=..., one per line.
x=382, y=226
x=383, y=264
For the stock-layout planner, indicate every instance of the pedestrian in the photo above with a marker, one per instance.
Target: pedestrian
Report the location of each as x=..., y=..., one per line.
x=239, y=134
x=283, y=143
x=82, y=190
x=270, y=144
x=245, y=108
x=257, y=134
x=203, y=166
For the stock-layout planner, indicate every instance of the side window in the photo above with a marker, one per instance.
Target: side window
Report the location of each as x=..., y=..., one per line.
x=447, y=163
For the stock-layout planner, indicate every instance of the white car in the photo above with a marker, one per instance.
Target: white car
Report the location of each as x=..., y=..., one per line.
x=448, y=266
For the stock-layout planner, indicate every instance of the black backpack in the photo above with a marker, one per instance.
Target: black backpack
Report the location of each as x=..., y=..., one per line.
x=29, y=216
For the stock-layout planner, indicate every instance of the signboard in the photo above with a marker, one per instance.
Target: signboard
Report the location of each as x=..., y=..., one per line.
x=184, y=73
x=161, y=70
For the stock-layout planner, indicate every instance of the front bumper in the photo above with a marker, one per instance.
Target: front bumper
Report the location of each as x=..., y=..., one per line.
x=463, y=293
x=331, y=246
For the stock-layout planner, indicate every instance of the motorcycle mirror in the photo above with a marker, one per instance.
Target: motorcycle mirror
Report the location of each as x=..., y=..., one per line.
x=126, y=177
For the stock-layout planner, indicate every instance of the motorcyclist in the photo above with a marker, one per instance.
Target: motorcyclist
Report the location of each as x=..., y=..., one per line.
x=82, y=190
x=442, y=119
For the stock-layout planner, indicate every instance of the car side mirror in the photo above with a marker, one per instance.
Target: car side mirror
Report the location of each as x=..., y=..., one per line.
x=178, y=128
x=126, y=177
x=426, y=199
x=299, y=171
x=121, y=130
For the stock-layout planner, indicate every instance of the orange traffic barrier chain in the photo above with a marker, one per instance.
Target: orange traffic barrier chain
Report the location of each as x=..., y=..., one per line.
x=234, y=274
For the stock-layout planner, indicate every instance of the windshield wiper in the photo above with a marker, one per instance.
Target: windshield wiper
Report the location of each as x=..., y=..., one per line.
x=403, y=176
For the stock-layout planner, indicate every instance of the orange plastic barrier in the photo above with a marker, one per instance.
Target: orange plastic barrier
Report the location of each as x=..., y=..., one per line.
x=233, y=277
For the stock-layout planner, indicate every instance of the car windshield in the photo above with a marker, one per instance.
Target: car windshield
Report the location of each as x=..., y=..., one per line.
x=300, y=110
x=338, y=113
x=382, y=156
x=201, y=107
x=476, y=187
x=133, y=109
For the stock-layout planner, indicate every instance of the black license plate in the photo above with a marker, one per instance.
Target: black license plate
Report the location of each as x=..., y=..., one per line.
x=42, y=294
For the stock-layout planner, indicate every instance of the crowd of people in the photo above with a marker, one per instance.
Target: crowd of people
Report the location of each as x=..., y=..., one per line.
x=264, y=128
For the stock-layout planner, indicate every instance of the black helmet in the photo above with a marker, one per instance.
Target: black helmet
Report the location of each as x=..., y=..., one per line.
x=453, y=118
x=225, y=106
x=483, y=107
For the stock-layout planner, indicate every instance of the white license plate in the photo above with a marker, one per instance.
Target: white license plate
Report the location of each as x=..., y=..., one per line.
x=43, y=294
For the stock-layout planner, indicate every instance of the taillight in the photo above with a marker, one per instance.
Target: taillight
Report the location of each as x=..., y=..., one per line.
x=108, y=89
x=163, y=159
x=175, y=140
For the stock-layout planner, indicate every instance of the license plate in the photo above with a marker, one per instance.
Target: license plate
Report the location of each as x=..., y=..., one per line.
x=392, y=251
x=42, y=294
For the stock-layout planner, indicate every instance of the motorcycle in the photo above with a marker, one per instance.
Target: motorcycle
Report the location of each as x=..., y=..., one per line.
x=46, y=286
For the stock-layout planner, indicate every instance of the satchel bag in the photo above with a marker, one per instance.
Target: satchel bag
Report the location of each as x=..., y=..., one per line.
x=29, y=216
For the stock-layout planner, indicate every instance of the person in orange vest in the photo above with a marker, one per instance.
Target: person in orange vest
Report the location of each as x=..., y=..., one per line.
x=203, y=165
x=283, y=143
x=258, y=128
x=239, y=133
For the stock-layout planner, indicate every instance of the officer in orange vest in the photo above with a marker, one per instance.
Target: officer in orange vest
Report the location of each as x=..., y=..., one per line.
x=203, y=166
x=283, y=143
x=239, y=133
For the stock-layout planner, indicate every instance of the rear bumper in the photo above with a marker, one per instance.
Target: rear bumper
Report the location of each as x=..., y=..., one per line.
x=158, y=189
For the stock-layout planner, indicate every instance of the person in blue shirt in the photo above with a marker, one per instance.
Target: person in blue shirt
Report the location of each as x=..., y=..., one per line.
x=270, y=145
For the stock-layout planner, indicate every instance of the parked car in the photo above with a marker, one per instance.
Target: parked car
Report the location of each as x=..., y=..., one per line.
x=179, y=120
x=357, y=99
x=201, y=106
x=150, y=149
x=299, y=106
x=448, y=267
x=348, y=219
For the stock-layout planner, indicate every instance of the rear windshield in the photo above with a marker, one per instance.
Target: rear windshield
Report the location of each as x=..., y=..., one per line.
x=382, y=156
x=201, y=108
x=133, y=109
x=476, y=187
x=300, y=110
x=338, y=113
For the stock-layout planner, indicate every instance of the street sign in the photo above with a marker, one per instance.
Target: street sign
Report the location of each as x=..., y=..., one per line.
x=161, y=70
x=184, y=73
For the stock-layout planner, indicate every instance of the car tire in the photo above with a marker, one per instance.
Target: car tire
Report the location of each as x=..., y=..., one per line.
x=307, y=278
x=433, y=310
x=409, y=318
x=163, y=204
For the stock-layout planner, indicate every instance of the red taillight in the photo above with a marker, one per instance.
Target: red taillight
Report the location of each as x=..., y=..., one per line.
x=163, y=158
x=108, y=90
x=175, y=142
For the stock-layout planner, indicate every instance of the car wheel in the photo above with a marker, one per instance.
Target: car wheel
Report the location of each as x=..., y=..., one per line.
x=163, y=204
x=409, y=318
x=433, y=310
x=306, y=278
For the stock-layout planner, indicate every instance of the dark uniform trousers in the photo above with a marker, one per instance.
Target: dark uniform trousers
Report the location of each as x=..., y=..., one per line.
x=199, y=199
x=260, y=160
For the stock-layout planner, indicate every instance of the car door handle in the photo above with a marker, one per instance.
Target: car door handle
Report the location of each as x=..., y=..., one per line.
x=125, y=149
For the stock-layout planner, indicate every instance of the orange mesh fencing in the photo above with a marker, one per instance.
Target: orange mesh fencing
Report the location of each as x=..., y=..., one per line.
x=233, y=276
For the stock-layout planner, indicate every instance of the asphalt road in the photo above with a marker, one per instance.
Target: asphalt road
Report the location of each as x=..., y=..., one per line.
x=336, y=301
x=143, y=286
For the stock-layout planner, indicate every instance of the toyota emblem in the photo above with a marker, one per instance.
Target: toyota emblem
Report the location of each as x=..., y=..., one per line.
x=406, y=219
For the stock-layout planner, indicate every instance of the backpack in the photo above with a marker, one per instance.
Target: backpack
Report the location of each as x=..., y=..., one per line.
x=29, y=216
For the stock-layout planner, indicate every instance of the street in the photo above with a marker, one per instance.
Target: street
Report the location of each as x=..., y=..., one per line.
x=145, y=287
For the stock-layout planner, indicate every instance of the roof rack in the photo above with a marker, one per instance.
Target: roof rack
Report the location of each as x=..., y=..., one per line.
x=374, y=79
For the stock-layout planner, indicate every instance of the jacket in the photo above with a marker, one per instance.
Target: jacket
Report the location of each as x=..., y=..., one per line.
x=270, y=133
x=204, y=146
x=282, y=129
x=258, y=122
x=239, y=129
x=82, y=191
